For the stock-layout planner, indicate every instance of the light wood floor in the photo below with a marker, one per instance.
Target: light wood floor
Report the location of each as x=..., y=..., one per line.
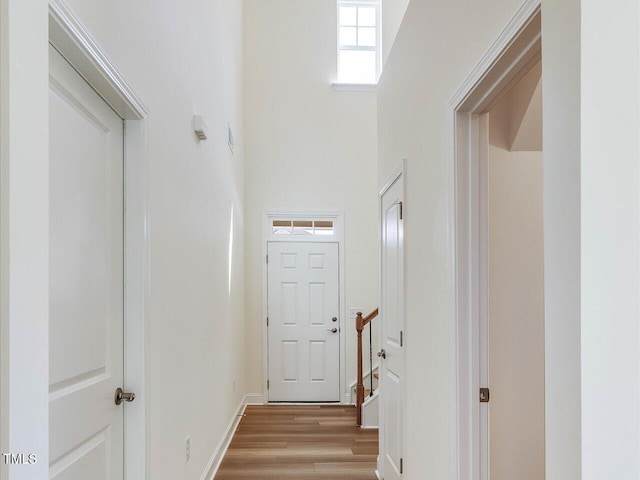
x=278, y=442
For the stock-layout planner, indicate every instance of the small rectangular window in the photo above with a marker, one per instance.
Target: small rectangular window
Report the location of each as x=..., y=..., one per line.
x=358, y=41
x=323, y=227
x=302, y=227
x=282, y=227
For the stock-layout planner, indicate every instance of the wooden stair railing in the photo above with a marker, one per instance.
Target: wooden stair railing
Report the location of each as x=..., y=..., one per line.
x=361, y=322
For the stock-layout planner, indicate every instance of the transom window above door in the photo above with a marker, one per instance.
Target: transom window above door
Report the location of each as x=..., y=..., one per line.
x=302, y=227
x=358, y=41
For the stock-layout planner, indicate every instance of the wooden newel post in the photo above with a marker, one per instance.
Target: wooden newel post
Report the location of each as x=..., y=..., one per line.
x=360, y=384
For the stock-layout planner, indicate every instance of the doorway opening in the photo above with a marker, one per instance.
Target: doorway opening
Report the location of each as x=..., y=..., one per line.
x=303, y=303
x=498, y=259
x=513, y=327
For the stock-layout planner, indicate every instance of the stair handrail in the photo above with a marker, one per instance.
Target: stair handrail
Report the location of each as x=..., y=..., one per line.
x=361, y=322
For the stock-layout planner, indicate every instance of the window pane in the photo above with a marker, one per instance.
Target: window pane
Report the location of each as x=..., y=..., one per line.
x=302, y=227
x=348, y=16
x=348, y=36
x=367, y=37
x=323, y=227
x=357, y=66
x=366, y=17
x=281, y=227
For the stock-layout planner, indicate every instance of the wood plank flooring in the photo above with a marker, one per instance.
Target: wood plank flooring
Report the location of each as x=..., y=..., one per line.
x=279, y=442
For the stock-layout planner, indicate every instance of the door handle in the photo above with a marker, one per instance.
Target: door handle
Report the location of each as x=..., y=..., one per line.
x=332, y=330
x=121, y=396
x=382, y=354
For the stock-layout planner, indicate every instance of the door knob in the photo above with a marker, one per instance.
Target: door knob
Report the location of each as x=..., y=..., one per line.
x=382, y=354
x=121, y=396
x=334, y=319
x=332, y=330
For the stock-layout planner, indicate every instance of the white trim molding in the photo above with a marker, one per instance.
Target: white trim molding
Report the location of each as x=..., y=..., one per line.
x=355, y=87
x=72, y=39
x=221, y=449
x=517, y=49
x=338, y=218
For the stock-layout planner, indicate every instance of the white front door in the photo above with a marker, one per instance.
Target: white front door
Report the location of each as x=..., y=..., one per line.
x=392, y=327
x=86, y=280
x=303, y=330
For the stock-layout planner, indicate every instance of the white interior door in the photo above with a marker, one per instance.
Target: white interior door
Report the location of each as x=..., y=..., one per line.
x=392, y=327
x=304, y=328
x=86, y=280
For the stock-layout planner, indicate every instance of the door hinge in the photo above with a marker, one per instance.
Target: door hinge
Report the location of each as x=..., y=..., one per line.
x=401, y=212
x=401, y=465
x=267, y=321
x=267, y=258
x=267, y=384
x=401, y=339
x=484, y=395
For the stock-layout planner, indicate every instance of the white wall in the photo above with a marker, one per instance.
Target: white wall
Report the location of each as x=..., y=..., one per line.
x=181, y=58
x=516, y=315
x=610, y=244
x=308, y=148
x=561, y=138
x=24, y=236
x=392, y=14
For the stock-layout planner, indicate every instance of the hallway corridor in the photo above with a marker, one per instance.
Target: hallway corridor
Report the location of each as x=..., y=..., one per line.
x=276, y=442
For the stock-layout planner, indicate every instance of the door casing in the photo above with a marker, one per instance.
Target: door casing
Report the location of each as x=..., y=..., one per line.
x=338, y=219
x=72, y=39
x=509, y=58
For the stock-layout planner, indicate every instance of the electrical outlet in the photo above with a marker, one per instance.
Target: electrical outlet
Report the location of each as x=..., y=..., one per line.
x=187, y=448
x=353, y=312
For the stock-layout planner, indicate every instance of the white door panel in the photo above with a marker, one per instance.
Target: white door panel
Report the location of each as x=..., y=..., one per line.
x=392, y=327
x=303, y=300
x=86, y=279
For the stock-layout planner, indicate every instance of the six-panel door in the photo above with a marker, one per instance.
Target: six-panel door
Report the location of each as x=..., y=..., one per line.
x=303, y=332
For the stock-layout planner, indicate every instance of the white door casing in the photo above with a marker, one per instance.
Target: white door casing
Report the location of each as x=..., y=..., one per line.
x=86, y=279
x=392, y=364
x=303, y=331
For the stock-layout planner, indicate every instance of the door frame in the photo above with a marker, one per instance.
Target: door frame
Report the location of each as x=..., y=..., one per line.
x=517, y=49
x=400, y=172
x=73, y=40
x=338, y=237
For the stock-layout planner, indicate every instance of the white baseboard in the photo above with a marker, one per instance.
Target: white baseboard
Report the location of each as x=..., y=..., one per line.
x=218, y=454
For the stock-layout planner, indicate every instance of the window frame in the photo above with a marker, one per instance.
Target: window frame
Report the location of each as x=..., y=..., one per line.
x=376, y=4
